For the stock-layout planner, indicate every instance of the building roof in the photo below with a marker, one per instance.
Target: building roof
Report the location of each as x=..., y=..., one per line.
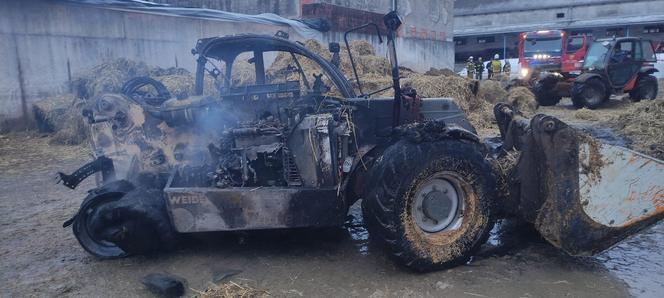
x=473, y=7
x=548, y=25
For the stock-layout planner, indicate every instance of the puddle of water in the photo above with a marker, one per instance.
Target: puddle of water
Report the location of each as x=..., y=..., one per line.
x=639, y=262
x=355, y=226
x=604, y=134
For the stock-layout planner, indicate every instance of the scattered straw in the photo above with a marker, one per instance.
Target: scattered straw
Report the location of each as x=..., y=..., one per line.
x=231, y=290
x=643, y=123
x=586, y=114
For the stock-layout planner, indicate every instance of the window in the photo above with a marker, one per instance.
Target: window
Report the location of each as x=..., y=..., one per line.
x=653, y=29
x=615, y=32
x=648, y=53
x=459, y=41
x=560, y=15
x=574, y=44
x=582, y=32
x=624, y=52
x=486, y=39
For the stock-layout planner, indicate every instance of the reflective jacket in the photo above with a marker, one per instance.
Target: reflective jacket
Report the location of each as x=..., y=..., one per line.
x=495, y=66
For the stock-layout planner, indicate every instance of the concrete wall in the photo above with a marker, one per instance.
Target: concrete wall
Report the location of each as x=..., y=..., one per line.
x=46, y=43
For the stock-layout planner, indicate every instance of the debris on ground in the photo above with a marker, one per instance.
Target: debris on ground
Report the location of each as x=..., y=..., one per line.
x=164, y=285
x=232, y=290
x=586, y=114
x=523, y=100
x=643, y=123
x=220, y=275
x=504, y=166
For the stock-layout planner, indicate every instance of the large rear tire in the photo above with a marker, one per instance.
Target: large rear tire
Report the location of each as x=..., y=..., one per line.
x=545, y=94
x=646, y=88
x=430, y=203
x=591, y=93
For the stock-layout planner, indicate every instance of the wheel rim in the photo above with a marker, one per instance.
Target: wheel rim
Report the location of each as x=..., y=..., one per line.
x=91, y=233
x=592, y=95
x=88, y=239
x=438, y=204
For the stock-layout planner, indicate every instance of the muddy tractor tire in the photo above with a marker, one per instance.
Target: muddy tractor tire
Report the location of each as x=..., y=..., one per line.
x=138, y=89
x=646, y=88
x=545, y=93
x=430, y=203
x=120, y=223
x=591, y=93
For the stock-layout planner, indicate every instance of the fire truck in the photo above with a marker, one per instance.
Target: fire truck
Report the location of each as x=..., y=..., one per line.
x=550, y=53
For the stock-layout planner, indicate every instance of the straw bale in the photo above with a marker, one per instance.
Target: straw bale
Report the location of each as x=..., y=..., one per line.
x=523, y=100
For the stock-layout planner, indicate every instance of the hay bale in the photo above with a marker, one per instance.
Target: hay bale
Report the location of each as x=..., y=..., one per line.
x=643, y=123
x=108, y=77
x=440, y=72
x=180, y=86
x=74, y=129
x=243, y=73
x=362, y=48
x=51, y=112
x=523, y=100
x=586, y=114
x=171, y=71
x=478, y=111
x=492, y=92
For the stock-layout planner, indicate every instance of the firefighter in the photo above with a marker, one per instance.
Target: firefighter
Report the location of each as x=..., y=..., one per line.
x=507, y=69
x=489, y=70
x=470, y=67
x=479, y=68
x=496, y=66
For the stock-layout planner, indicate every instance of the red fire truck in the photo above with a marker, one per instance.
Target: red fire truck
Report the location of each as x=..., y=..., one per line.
x=547, y=53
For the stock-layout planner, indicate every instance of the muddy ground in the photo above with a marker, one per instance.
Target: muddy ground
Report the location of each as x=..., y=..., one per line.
x=40, y=258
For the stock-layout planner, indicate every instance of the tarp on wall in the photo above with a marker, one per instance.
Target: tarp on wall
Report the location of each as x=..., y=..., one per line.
x=300, y=27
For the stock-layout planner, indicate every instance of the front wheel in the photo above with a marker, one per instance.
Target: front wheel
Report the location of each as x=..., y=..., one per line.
x=646, y=88
x=545, y=94
x=430, y=204
x=91, y=241
x=591, y=93
x=120, y=223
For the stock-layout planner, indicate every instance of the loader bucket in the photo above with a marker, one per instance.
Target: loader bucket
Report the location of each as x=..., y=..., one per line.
x=581, y=195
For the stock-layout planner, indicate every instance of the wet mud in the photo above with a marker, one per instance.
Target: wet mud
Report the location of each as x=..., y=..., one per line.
x=40, y=258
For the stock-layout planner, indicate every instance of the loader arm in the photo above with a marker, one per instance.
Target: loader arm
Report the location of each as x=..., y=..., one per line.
x=581, y=195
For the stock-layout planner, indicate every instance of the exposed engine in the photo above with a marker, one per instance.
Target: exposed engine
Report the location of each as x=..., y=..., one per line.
x=254, y=154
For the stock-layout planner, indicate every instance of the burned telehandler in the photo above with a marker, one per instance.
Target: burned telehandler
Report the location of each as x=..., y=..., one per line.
x=295, y=148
